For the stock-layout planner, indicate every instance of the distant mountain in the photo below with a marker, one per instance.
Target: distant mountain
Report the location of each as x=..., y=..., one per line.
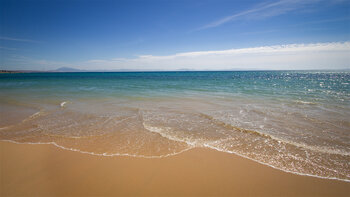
x=67, y=69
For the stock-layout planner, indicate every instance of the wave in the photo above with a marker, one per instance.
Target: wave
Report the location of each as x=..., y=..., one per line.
x=271, y=150
x=279, y=140
x=270, y=145
x=35, y=115
x=266, y=164
x=161, y=132
x=29, y=118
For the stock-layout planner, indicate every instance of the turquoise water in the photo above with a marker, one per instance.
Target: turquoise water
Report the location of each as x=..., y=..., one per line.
x=296, y=121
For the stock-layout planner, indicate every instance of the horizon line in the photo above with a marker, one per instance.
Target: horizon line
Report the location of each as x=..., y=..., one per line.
x=180, y=70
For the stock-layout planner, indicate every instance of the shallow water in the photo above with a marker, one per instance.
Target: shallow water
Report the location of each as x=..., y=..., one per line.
x=294, y=121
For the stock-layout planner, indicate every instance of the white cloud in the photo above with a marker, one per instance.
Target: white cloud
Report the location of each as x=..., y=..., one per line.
x=266, y=10
x=292, y=56
x=335, y=55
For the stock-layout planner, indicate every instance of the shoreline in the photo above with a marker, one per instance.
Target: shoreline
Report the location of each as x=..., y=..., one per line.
x=46, y=170
x=174, y=154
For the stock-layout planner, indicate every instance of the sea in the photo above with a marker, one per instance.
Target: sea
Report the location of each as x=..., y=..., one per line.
x=294, y=121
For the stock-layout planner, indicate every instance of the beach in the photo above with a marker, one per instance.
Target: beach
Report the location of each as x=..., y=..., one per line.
x=174, y=98
x=273, y=133
x=46, y=170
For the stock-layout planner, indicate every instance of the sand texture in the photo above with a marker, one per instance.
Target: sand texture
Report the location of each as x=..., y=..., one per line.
x=46, y=170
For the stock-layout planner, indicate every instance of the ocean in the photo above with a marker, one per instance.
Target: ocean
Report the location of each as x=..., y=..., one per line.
x=295, y=121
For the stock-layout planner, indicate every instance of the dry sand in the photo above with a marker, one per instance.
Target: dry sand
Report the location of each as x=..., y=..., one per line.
x=45, y=170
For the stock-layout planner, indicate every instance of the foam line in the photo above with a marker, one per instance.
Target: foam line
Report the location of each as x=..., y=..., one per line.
x=100, y=154
x=173, y=154
x=288, y=171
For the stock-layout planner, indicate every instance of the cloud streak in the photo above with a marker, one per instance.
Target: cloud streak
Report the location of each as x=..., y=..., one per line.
x=17, y=39
x=334, y=55
x=292, y=56
x=263, y=11
x=7, y=48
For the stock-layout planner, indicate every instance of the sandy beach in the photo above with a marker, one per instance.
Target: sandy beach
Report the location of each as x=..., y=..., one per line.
x=174, y=98
x=46, y=170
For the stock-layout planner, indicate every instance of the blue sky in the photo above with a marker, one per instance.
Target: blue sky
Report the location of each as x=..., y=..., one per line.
x=175, y=34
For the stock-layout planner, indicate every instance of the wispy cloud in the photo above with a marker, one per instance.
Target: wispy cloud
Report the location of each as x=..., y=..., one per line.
x=7, y=48
x=264, y=10
x=19, y=62
x=292, y=56
x=17, y=39
x=323, y=21
x=333, y=55
x=307, y=26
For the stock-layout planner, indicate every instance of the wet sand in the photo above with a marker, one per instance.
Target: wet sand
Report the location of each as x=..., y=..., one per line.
x=45, y=170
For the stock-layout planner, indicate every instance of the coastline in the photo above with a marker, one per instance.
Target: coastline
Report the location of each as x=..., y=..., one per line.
x=46, y=170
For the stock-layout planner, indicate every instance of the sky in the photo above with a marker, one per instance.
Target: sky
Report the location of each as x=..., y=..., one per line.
x=174, y=34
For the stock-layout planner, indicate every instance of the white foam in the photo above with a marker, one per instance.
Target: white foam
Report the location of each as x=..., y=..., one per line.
x=274, y=167
x=163, y=132
x=35, y=115
x=305, y=102
x=173, y=154
x=63, y=103
x=101, y=154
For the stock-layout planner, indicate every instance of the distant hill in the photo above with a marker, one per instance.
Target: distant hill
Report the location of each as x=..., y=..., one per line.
x=67, y=69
